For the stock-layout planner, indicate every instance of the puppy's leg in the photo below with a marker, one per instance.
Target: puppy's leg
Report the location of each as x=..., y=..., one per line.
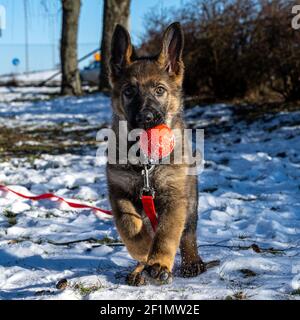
x=166, y=241
x=134, y=235
x=135, y=278
x=191, y=264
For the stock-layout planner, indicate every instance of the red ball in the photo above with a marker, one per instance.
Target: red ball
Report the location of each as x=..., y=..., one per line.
x=157, y=142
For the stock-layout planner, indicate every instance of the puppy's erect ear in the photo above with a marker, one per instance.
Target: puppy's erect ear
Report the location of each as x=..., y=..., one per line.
x=170, y=56
x=121, y=50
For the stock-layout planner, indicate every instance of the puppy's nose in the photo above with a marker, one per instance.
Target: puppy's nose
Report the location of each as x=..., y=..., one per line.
x=148, y=116
x=144, y=117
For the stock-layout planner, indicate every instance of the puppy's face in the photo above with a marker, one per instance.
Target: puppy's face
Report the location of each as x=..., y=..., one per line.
x=147, y=91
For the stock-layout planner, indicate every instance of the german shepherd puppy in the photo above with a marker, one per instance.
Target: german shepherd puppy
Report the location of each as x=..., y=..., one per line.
x=147, y=91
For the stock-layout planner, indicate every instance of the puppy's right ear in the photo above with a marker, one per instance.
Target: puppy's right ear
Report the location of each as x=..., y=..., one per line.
x=121, y=50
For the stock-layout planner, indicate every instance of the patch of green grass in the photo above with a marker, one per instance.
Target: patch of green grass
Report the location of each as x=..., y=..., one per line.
x=85, y=290
x=107, y=240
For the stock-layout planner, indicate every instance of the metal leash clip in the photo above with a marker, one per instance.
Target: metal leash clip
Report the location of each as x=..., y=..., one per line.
x=147, y=189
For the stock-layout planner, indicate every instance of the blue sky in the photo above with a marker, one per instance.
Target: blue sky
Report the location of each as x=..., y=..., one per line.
x=44, y=29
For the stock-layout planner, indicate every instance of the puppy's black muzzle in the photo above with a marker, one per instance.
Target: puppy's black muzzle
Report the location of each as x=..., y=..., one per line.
x=149, y=118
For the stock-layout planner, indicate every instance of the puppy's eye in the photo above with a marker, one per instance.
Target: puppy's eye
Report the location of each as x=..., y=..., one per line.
x=129, y=92
x=159, y=91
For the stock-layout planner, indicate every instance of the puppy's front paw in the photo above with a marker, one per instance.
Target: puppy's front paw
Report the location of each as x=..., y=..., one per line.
x=160, y=274
x=136, y=279
x=192, y=269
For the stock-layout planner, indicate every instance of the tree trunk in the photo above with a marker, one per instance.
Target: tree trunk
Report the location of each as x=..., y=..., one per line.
x=114, y=12
x=71, y=84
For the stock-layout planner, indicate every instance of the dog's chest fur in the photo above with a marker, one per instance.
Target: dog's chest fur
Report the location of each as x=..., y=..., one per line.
x=129, y=180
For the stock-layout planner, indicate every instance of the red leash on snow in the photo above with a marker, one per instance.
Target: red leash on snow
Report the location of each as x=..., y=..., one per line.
x=147, y=201
x=156, y=143
x=53, y=196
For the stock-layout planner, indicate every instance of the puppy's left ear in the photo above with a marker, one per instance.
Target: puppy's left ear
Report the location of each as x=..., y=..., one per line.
x=170, y=57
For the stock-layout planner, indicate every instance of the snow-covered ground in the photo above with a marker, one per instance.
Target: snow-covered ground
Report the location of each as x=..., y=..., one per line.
x=249, y=205
x=9, y=94
x=32, y=78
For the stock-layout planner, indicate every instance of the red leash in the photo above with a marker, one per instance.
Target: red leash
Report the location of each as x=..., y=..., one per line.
x=53, y=196
x=147, y=201
x=149, y=208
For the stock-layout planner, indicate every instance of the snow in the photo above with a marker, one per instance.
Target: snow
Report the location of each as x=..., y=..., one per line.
x=249, y=208
x=32, y=78
x=13, y=94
